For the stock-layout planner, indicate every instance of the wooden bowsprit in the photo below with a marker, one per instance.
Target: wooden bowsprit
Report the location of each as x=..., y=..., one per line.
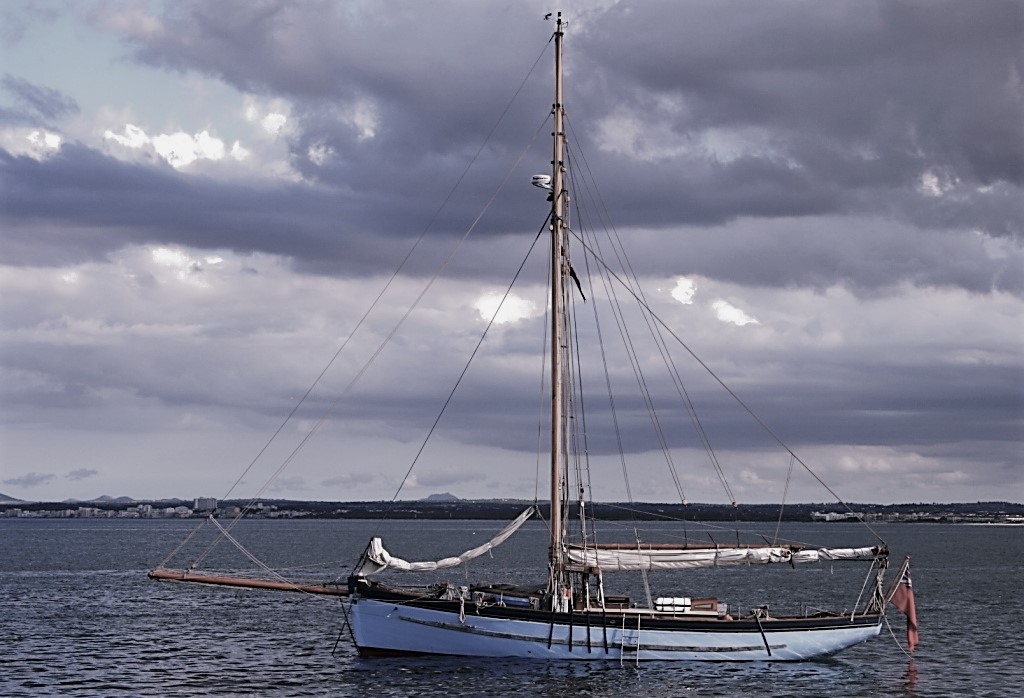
x=244, y=582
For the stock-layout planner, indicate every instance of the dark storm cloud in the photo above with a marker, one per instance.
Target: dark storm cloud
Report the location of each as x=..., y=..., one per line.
x=785, y=150
x=912, y=83
x=868, y=255
x=321, y=50
x=438, y=80
x=909, y=397
x=858, y=106
x=95, y=204
x=855, y=104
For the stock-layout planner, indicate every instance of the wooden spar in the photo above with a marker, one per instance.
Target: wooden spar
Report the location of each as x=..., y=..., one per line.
x=202, y=578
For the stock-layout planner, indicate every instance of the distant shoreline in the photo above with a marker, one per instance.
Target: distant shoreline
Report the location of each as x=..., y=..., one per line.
x=976, y=513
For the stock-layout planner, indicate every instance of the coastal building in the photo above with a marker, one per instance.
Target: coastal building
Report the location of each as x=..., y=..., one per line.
x=205, y=504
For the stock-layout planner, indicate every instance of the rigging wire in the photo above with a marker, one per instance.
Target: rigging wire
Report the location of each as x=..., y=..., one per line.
x=638, y=296
x=659, y=341
x=611, y=395
x=405, y=260
x=610, y=392
x=581, y=450
x=543, y=398
x=581, y=436
x=785, y=492
x=405, y=316
x=736, y=398
x=632, y=355
x=465, y=370
x=249, y=505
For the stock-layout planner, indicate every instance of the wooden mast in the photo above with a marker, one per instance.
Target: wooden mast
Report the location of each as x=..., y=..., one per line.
x=558, y=263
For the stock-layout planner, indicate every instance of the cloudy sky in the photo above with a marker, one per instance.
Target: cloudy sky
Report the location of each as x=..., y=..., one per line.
x=201, y=200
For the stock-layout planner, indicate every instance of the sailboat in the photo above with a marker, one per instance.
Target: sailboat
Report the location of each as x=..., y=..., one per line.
x=571, y=615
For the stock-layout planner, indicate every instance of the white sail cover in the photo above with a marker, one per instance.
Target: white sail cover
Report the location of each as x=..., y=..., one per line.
x=621, y=559
x=828, y=554
x=376, y=558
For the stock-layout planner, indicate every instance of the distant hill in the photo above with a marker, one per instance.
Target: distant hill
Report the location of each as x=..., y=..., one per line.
x=444, y=497
x=8, y=499
x=103, y=499
x=106, y=499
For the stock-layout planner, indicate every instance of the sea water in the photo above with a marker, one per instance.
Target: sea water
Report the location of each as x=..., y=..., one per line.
x=79, y=617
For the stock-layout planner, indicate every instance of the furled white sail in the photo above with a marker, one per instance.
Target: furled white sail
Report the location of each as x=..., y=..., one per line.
x=829, y=554
x=647, y=558
x=376, y=558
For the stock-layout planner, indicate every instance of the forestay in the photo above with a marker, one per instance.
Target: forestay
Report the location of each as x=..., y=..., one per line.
x=647, y=558
x=377, y=559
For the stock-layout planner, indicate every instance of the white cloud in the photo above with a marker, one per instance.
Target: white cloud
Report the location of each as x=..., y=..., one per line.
x=179, y=149
x=184, y=267
x=134, y=137
x=37, y=144
x=45, y=139
x=274, y=122
x=649, y=138
x=238, y=152
x=363, y=115
x=319, y=153
x=262, y=151
x=935, y=184
x=685, y=290
x=728, y=144
x=512, y=310
x=271, y=116
x=727, y=312
x=630, y=134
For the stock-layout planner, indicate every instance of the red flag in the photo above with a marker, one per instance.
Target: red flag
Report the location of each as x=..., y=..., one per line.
x=902, y=598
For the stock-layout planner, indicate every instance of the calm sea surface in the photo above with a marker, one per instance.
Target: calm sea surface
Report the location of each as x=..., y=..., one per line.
x=79, y=617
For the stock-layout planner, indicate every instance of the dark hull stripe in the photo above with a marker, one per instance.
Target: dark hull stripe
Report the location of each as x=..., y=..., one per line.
x=613, y=620
x=581, y=644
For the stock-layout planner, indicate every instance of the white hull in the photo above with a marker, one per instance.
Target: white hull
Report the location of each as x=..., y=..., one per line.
x=383, y=627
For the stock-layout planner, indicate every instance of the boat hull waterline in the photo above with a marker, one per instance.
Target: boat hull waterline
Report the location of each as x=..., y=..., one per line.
x=382, y=627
